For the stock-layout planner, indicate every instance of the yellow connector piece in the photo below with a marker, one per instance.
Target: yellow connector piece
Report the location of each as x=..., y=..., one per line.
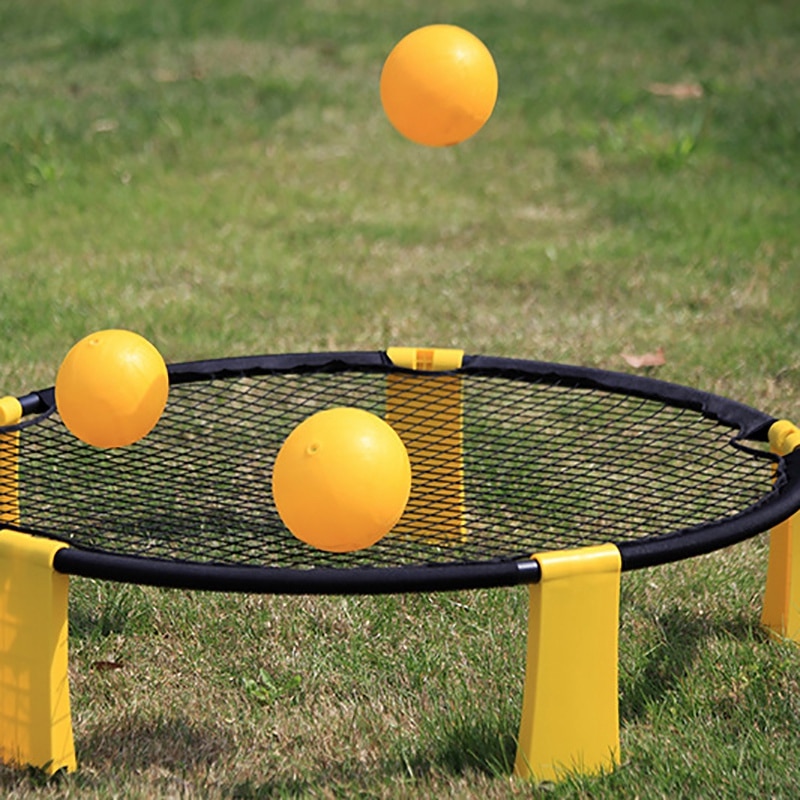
x=429, y=359
x=784, y=437
x=570, y=707
x=10, y=411
x=428, y=415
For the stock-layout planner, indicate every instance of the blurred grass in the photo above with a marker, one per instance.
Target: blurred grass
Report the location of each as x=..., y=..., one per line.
x=219, y=176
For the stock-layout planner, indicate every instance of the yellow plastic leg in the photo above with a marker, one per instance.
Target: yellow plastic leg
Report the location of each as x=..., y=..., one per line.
x=35, y=722
x=428, y=416
x=570, y=707
x=781, y=611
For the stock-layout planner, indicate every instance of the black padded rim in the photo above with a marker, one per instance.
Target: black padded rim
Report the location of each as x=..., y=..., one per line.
x=751, y=425
x=271, y=580
x=634, y=555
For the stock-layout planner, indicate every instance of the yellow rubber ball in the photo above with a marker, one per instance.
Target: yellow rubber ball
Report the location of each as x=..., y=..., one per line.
x=341, y=479
x=438, y=85
x=112, y=388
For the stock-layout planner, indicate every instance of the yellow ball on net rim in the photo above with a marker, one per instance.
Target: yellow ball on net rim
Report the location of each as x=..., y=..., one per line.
x=111, y=388
x=341, y=479
x=438, y=85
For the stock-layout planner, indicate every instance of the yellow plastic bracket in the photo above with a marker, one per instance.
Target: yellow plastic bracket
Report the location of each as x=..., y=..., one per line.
x=428, y=415
x=570, y=707
x=35, y=722
x=10, y=411
x=781, y=610
x=430, y=359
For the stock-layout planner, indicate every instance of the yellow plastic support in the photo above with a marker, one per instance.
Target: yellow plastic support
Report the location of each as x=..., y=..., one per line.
x=35, y=722
x=428, y=416
x=781, y=610
x=570, y=707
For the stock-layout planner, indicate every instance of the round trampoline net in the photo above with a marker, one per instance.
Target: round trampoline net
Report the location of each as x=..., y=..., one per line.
x=502, y=468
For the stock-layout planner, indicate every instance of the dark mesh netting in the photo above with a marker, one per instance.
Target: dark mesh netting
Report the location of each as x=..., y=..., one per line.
x=503, y=467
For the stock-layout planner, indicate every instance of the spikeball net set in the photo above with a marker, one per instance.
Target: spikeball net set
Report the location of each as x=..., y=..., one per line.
x=498, y=471
x=553, y=476
x=509, y=458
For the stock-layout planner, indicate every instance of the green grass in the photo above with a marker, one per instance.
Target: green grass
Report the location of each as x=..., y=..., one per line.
x=219, y=176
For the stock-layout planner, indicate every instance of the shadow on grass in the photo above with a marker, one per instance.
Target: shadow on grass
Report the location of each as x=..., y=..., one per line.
x=135, y=744
x=341, y=784
x=108, y=608
x=485, y=747
x=684, y=634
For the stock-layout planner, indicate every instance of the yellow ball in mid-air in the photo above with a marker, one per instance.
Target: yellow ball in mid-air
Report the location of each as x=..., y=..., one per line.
x=341, y=479
x=112, y=388
x=438, y=85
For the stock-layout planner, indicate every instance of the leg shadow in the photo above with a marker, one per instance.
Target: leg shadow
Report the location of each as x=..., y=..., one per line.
x=683, y=636
x=482, y=745
x=139, y=744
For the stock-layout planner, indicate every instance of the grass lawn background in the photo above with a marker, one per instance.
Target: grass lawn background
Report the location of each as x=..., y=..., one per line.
x=219, y=176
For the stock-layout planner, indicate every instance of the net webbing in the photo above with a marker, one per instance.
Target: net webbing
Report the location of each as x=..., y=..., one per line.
x=541, y=466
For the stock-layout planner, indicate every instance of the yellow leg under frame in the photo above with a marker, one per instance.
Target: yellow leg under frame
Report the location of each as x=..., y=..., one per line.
x=570, y=707
x=35, y=722
x=781, y=611
x=428, y=416
x=570, y=716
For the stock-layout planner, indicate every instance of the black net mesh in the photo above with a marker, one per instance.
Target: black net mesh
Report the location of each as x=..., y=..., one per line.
x=502, y=468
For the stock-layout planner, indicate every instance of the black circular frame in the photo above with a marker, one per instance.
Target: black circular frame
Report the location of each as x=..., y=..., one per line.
x=511, y=457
